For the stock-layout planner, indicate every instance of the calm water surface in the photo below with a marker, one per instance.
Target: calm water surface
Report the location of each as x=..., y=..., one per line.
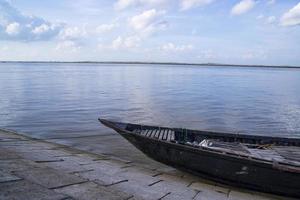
x=65, y=100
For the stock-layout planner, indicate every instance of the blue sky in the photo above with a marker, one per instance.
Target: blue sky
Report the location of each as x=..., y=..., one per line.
x=237, y=31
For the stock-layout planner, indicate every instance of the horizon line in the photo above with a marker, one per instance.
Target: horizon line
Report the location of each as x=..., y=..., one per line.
x=158, y=63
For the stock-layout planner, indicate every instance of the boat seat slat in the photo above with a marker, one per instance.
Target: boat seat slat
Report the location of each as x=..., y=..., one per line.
x=163, y=134
x=154, y=133
x=159, y=133
x=149, y=132
x=145, y=132
x=135, y=130
x=166, y=134
x=172, y=135
x=169, y=135
x=139, y=130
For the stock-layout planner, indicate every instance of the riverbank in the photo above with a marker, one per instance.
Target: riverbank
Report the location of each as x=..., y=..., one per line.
x=155, y=63
x=39, y=169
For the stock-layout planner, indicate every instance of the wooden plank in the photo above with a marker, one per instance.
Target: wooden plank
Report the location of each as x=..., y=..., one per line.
x=138, y=131
x=149, y=133
x=169, y=135
x=153, y=133
x=166, y=134
x=146, y=132
x=162, y=134
x=143, y=132
x=158, y=133
x=172, y=135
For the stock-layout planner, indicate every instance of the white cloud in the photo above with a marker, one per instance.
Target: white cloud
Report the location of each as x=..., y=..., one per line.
x=148, y=21
x=292, y=17
x=72, y=33
x=260, y=17
x=259, y=53
x=16, y=26
x=271, y=2
x=176, y=48
x=13, y=28
x=271, y=19
x=103, y=28
x=41, y=29
x=242, y=7
x=68, y=45
x=125, y=43
x=188, y=4
x=123, y=4
x=207, y=54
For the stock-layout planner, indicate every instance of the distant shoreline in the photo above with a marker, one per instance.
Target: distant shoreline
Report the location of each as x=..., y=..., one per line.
x=157, y=63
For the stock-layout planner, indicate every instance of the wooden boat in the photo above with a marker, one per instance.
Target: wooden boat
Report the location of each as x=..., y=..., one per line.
x=268, y=164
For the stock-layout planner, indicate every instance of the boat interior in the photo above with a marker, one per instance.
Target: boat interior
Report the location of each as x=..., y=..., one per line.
x=273, y=149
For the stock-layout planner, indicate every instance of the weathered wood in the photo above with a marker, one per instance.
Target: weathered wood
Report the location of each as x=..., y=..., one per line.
x=242, y=160
x=158, y=133
x=149, y=133
x=162, y=135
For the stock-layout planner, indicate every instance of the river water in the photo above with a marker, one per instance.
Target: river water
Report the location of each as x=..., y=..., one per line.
x=50, y=100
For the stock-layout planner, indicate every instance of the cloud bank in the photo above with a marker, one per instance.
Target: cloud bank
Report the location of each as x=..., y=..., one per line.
x=242, y=7
x=292, y=17
x=188, y=4
x=16, y=26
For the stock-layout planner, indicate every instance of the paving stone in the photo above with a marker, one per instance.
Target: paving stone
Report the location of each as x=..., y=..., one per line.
x=23, y=190
x=101, y=177
x=49, y=178
x=211, y=195
x=67, y=166
x=186, y=196
x=139, y=191
x=107, y=167
x=80, y=159
x=137, y=176
x=173, y=187
x=39, y=156
x=6, y=176
x=174, y=178
x=17, y=165
x=78, y=175
x=92, y=191
x=6, y=154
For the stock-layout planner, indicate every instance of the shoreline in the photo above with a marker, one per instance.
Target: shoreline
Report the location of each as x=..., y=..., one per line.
x=55, y=171
x=157, y=63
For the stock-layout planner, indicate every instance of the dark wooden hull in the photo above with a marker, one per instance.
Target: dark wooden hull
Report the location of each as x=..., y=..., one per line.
x=224, y=168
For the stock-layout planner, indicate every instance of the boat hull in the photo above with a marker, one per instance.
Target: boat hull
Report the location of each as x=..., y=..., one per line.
x=226, y=169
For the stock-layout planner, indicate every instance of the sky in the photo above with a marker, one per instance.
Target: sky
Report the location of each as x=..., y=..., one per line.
x=196, y=31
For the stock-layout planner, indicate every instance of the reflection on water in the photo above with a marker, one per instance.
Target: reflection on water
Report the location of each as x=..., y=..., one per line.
x=62, y=100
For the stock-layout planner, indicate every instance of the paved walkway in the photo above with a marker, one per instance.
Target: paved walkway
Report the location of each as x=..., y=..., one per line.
x=36, y=169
